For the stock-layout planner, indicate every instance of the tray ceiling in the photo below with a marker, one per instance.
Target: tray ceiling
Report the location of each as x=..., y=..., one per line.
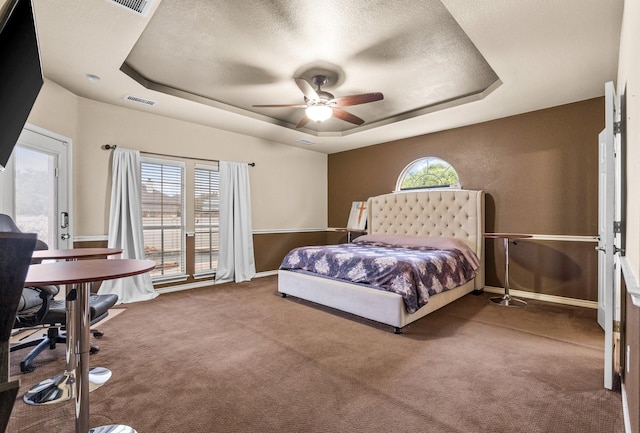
x=236, y=55
x=440, y=64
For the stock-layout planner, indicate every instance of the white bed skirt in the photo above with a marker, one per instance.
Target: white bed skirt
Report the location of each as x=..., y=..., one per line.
x=379, y=305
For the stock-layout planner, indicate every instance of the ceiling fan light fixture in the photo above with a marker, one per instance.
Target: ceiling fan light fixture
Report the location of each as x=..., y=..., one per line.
x=318, y=113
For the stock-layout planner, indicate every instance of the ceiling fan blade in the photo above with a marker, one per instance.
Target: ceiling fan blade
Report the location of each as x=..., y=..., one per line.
x=303, y=121
x=307, y=90
x=364, y=98
x=341, y=114
x=281, y=106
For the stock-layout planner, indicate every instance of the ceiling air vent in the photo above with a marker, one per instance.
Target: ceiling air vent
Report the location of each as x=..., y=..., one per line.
x=140, y=100
x=139, y=6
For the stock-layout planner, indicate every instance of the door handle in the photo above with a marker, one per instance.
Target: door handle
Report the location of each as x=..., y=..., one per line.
x=64, y=220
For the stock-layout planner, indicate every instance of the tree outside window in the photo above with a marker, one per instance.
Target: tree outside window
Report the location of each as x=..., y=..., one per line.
x=429, y=172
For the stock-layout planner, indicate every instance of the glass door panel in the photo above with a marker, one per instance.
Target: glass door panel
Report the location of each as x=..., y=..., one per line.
x=36, y=204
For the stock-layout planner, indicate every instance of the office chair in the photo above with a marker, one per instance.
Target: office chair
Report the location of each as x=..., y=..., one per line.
x=38, y=308
x=15, y=257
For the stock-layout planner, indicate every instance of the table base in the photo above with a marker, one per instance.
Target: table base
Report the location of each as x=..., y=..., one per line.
x=508, y=301
x=113, y=428
x=60, y=388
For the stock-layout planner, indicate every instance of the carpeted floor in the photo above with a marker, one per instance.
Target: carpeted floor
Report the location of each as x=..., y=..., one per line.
x=238, y=358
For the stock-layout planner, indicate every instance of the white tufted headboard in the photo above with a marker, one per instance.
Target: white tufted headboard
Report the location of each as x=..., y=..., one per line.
x=455, y=214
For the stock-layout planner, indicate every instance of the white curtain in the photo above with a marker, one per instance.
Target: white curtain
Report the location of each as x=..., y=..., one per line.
x=236, y=261
x=125, y=226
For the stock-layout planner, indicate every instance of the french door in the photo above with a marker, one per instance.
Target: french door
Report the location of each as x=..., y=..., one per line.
x=609, y=232
x=35, y=186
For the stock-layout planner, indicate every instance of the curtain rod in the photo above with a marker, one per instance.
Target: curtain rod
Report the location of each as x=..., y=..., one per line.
x=113, y=146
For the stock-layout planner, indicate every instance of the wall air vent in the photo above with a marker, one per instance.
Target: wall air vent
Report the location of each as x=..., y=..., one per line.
x=140, y=100
x=139, y=6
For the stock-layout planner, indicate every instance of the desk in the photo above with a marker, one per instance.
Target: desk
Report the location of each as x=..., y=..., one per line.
x=82, y=273
x=506, y=299
x=61, y=387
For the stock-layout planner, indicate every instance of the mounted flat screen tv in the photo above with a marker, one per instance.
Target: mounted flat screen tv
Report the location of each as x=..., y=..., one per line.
x=21, y=75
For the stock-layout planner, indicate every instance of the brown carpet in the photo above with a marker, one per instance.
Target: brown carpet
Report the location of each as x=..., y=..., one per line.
x=238, y=358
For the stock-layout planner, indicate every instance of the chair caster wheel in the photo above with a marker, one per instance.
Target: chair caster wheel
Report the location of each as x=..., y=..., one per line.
x=27, y=368
x=94, y=349
x=97, y=334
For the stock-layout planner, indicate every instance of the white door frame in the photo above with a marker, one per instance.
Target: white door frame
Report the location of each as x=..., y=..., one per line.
x=40, y=139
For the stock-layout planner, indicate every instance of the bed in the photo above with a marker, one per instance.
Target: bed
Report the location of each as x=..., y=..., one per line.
x=432, y=216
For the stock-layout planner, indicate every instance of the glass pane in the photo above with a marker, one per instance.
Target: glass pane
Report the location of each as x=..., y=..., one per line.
x=207, y=215
x=206, y=245
x=35, y=193
x=162, y=219
x=164, y=246
x=428, y=173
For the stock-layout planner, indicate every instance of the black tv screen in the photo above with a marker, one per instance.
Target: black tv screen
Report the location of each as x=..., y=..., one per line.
x=20, y=73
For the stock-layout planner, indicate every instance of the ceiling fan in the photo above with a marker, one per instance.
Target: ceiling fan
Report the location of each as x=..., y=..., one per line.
x=320, y=105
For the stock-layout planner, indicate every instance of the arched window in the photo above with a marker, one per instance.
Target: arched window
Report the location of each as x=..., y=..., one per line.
x=429, y=172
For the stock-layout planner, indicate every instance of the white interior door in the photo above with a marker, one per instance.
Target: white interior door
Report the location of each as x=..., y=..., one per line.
x=35, y=187
x=608, y=237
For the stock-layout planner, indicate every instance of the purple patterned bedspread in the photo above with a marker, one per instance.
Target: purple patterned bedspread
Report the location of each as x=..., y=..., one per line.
x=414, y=272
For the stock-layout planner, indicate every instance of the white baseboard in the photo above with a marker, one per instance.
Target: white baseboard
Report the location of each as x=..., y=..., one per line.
x=205, y=282
x=543, y=297
x=180, y=287
x=490, y=289
x=625, y=411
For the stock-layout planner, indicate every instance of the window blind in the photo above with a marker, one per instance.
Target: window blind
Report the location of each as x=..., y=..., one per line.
x=207, y=218
x=163, y=216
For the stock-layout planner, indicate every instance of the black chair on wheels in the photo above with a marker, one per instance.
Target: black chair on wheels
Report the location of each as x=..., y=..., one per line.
x=15, y=256
x=38, y=308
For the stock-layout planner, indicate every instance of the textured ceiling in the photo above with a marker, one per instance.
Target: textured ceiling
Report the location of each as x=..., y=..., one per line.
x=208, y=61
x=190, y=47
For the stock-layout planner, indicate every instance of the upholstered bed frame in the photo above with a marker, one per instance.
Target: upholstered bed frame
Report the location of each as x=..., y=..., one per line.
x=455, y=214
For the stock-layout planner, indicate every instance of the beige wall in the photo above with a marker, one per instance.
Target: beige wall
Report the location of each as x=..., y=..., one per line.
x=56, y=110
x=629, y=84
x=628, y=87
x=284, y=181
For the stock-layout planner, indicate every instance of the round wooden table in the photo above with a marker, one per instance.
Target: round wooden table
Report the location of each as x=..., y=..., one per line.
x=75, y=253
x=83, y=273
x=61, y=388
x=506, y=299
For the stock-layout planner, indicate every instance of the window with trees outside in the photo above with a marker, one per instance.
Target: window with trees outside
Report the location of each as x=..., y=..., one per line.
x=180, y=202
x=163, y=215
x=428, y=172
x=207, y=218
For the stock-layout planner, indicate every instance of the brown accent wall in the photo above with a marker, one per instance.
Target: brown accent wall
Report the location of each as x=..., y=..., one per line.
x=631, y=372
x=90, y=244
x=269, y=249
x=540, y=173
x=568, y=269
